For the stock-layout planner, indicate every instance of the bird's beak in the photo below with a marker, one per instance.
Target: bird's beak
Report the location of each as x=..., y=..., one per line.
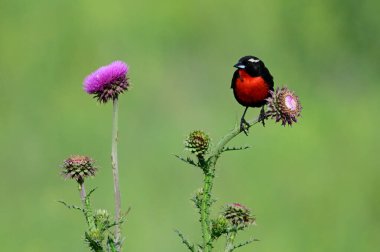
x=239, y=65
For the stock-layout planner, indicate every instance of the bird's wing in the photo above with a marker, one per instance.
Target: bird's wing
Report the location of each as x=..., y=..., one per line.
x=267, y=77
x=234, y=78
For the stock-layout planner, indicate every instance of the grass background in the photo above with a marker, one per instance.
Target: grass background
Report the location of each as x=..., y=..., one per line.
x=312, y=187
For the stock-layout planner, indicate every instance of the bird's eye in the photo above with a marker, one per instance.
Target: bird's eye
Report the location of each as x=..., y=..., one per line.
x=254, y=60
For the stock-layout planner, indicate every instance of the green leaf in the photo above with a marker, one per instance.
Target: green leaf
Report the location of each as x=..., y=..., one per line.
x=71, y=206
x=244, y=243
x=90, y=192
x=187, y=160
x=185, y=241
x=111, y=244
x=235, y=148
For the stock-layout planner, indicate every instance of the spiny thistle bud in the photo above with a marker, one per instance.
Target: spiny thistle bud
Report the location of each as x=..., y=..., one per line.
x=238, y=215
x=284, y=106
x=102, y=218
x=96, y=235
x=78, y=168
x=107, y=82
x=94, y=238
x=219, y=226
x=197, y=142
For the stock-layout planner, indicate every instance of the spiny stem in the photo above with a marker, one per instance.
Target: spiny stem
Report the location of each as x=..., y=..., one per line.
x=209, y=172
x=215, y=153
x=82, y=193
x=115, y=171
x=230, y=242
x=88, y=211
x=205, y=209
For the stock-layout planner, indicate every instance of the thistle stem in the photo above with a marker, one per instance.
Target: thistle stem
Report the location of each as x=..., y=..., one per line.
x=215, y=153
x=230, y=242
x=88, y=212
x=115, y=171
x=205, y=209
x=209, y=172
x=82, y=194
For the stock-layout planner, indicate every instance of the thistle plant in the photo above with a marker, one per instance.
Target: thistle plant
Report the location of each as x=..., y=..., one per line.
x=283, y=106
x=106, y=84
x=98, y=236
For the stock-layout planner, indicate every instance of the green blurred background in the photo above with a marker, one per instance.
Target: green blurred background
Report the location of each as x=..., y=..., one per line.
x=313, y=187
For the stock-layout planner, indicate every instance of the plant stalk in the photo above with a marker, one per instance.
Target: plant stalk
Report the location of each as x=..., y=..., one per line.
x=205, y=209
x=87, y=210
x=209, y=171
x=82, y=194
x=215, y=153
x=115, y=171
x=230, y=242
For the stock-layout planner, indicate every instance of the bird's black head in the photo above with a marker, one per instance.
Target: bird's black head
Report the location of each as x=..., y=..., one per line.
x=251, y=64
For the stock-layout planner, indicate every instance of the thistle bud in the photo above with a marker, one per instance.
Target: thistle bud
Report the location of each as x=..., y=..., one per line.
x=284, y=106
x=219, y=226
x=94, y=238
x=197, y=143
x=78, y=168
x=102, y=218
x=238, y=215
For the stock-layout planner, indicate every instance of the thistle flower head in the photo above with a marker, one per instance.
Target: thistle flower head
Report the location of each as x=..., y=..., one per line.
x=284, y=106
x=107, y=82
x=238, y=215
x=78, y=168
x=198, y=142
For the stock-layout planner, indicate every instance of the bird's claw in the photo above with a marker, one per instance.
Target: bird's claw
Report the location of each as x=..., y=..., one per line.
x=262, y=116
x=244, y=126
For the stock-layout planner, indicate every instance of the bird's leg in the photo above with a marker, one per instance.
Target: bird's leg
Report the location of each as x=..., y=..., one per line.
x=243, y=123
x=262, y=116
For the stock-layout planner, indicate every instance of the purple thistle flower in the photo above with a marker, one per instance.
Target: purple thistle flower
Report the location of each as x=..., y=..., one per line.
x=284, y=106
x=107, y=82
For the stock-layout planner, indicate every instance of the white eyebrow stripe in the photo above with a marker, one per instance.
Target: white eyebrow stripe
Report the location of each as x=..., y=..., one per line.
x=254, y=60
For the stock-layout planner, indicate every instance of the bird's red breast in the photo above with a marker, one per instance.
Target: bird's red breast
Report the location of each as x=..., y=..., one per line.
x=250, y=91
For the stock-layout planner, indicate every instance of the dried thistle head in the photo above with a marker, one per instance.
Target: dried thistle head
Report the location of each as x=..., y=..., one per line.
x=284, y=106
x=198, y=142
x=238, y=215
x=78, y=168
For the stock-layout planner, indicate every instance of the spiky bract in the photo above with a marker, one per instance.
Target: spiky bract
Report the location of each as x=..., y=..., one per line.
x=238, y=215
x=198, y=142
x=78, y=168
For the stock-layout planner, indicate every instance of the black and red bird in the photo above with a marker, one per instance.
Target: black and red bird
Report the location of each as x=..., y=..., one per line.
x=251, y=84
